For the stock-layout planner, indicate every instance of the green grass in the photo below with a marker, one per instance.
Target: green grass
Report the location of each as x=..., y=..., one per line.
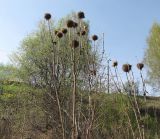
x=22, y=100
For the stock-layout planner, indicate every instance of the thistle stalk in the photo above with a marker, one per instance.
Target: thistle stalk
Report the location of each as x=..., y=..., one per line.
x=134, y=110
x=55, y=86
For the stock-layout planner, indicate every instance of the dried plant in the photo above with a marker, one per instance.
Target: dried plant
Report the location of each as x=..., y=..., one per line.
x=54, y=74
x=59, y=34
x=115, y=64
x=47, y=16
x=94, y=37
x=83, y=32
x=75, y=25
x=64, y=30
x=126, y=67
x=81, y=15
x=140, y=66
x=76, y=81
x=70, y=23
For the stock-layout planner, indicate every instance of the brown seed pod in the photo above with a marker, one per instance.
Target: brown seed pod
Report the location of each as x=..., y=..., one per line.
x=93, y=72
x=81, y=15
x=75, y=43
x=83, y=33
x=115, y=64
x=94, y=37
x=64, y=30
x=70, y=23
x=75, y=24
x=126, y=67
x=55, y=32
x=59, y=34
x=140, y=66
x=47, y=16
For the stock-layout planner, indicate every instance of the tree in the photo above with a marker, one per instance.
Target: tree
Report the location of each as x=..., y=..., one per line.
x=152, y=56
x=65, y=65
x=7, y=72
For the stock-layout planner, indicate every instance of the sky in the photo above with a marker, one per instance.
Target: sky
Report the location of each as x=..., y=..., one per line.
x=125, y=23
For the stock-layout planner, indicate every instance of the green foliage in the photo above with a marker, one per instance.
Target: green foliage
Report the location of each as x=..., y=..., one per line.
x=152, y=55
x=37, y=55
x=25, y=104
x=7, y=72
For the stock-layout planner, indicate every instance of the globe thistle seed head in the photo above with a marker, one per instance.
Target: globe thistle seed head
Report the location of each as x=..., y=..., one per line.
x=81, y=15
x=70, y=23
x=83, y=33
x=64, y=30
x=47, y=16
x=140, y=66
x=126, y=67
x=94, y=37
x=93, y=72
x=59, y=34
x=75, y=43
x=115, y=64
x=75, y=24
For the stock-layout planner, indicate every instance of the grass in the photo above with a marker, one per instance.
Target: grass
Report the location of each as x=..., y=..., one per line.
x=25, y=101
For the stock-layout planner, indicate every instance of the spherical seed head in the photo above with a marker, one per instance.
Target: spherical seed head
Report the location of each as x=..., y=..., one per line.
x=93, y=72
x=115, y=64
x=70, y=23
x=83, y=33
x=75, y=43
x=140, y=66
x=47, y=16
x=64, y=30
x=81, y=15
x=59, y=34
x=94, y=37
x=75, y=24
x=126, y=67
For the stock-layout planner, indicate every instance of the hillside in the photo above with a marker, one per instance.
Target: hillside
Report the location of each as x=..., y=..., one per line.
x=23, y=114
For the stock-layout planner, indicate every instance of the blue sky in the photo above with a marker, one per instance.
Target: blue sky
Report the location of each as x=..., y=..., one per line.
x=126, y=23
